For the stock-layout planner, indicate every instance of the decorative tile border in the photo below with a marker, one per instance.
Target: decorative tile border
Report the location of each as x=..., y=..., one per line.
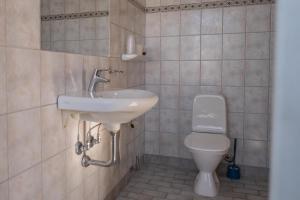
x=204, y=5
x=75, y=15
x=194, y=6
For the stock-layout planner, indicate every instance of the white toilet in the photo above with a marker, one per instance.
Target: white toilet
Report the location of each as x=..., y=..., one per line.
x=208, y=141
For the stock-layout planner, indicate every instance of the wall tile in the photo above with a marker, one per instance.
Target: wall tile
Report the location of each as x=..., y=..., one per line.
x=72, y=31
x=90, y=187
x=211, y=21
x=152, y=3
x=23, y=74
x=185, y=122
x=124, y=15
x=73, y=73
x=187, y=95
x=53, y=137
x=190, y=22
x=235, y=98
x=52, y=76
x=23, y=23
x=153, y=24
x=168, y=144
x=169, y=2
x=234, y=20
x=46, y=31
x=56, y=7
x=4, y=191
x=169, y=97
x=256, y=126
x=152, y=120
x=87, y=28
x=257, y=73
x=102, y=28
x=190, y=72
x=258, y=18
x=233, y=73
x=152, y=73
x=170, y=23
x=87, y=5
x=151, y=142
x=236, y=125
x=114, y=12
x=255, y=153
x=24, y=140
x=190, y=48
x=131, y=17
x=211, y=72
x=74, y=171
x=3, y=97
x=211, y=47
x=54, y=180
x=168, y=120
x=256, y=99
x=3, y=150
x=153, y=48
x=115, y=40
x=27, y=185
x=58, y=30
x=170, y=72
x=2, y=23
x=210, y=89
x=233, y=46
x=273, y=17
x=72, y=6
x=257, y=45
x=170, y=48
x=102, y=5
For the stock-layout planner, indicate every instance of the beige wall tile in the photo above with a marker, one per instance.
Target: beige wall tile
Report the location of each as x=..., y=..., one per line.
x=3, y=149
x=23, y=76
x=27, y=186
x=54, y=178
x=52, y=76
x=4, y=191
x=90, y=186
x=2, y=23
x=23, y=23
x=3, y=97
x=53, y=136
x=73, y=73
x=24, y=140
x=74, y=171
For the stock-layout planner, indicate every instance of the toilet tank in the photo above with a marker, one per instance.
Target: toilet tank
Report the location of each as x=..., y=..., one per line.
x=209, y=114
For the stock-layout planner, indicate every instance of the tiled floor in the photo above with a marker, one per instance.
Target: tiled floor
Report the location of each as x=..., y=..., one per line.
x=156, y=182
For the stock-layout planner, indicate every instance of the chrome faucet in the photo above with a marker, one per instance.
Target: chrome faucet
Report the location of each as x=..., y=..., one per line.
x=97, y=77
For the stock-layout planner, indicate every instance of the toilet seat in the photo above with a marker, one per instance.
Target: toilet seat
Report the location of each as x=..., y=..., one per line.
x=208, y=142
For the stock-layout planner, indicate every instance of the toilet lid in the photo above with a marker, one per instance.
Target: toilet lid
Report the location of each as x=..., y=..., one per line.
x=207, y=142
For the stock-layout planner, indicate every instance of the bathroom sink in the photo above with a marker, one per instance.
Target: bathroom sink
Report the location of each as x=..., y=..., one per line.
x=112, y=107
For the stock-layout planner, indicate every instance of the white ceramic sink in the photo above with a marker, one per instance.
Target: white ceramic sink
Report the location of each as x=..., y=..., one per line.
x=113, y=107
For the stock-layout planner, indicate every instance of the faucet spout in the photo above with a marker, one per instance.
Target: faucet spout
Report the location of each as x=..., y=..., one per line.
x=97, y=77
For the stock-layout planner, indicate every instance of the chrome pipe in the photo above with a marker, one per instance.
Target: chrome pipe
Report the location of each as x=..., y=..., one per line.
x=115, y=156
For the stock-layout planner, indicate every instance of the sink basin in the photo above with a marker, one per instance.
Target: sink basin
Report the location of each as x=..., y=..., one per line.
x=113, y=107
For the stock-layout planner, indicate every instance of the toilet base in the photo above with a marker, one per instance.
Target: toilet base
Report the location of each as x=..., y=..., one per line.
x=207, y=184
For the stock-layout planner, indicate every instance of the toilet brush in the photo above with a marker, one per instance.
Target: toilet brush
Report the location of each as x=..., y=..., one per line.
x=233, y=171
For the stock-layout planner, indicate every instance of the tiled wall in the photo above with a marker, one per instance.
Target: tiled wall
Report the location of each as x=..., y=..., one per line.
x=88, y=36
x=36, y=139
x=221, y=50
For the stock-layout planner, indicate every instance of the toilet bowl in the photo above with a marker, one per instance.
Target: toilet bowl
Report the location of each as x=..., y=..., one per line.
x=208, y=142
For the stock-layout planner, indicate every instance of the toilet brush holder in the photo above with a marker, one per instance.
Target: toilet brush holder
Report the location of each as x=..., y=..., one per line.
x=233, y=171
